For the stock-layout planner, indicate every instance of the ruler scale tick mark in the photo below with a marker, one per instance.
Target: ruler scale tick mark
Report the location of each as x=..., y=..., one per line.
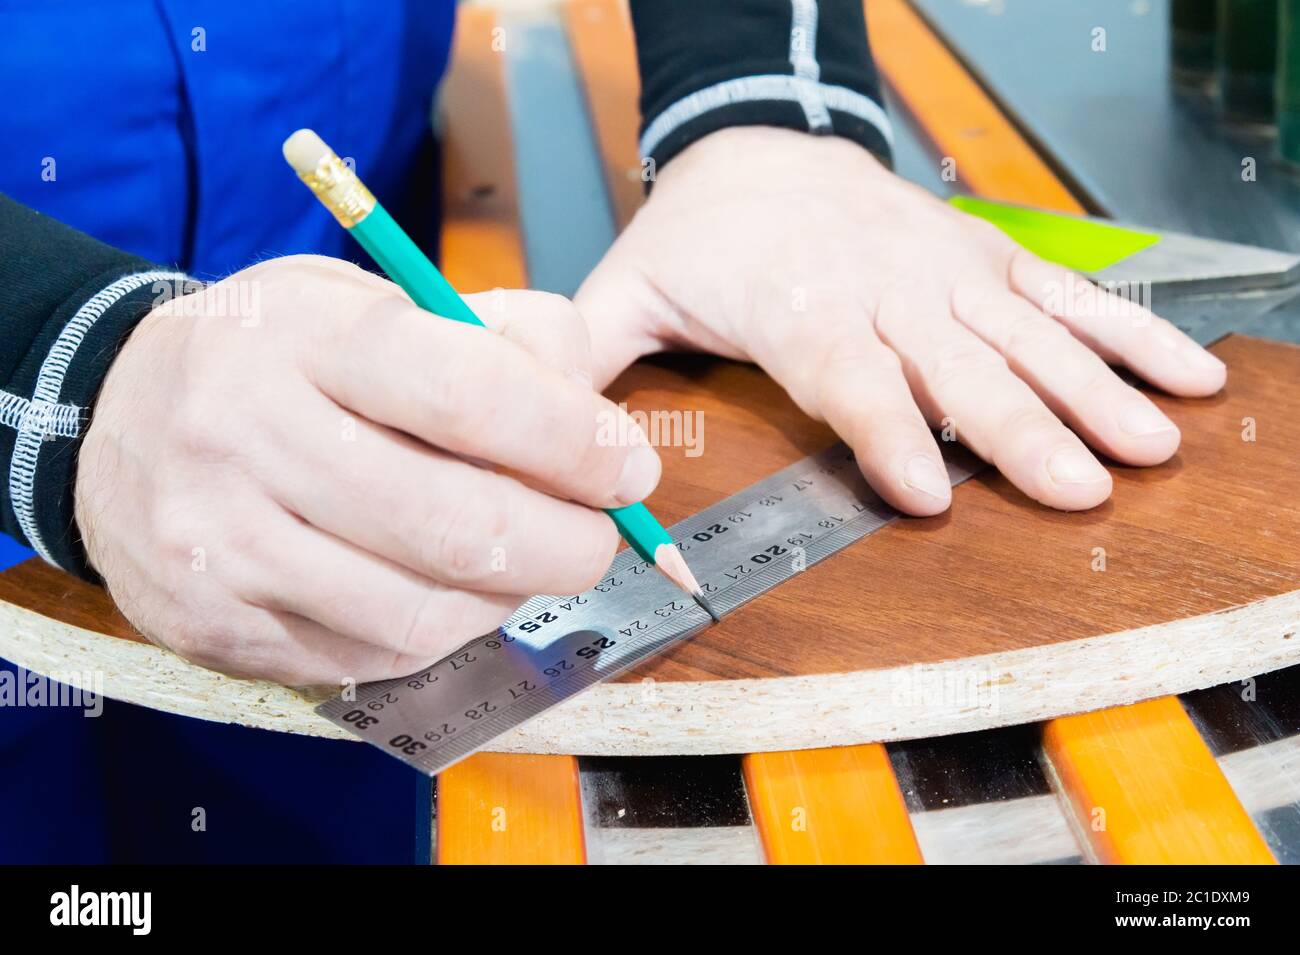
x=553, y=648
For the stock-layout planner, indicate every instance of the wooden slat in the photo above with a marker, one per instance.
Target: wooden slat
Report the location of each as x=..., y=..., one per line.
x=1144, y=788
x=498, y=808
x=493, y=808
x=482, y=246
x=838, y=806
x=1144, y=767
x=600, y=35
x=993, y=159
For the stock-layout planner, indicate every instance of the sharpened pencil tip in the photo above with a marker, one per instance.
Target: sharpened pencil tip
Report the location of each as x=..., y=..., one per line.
x=703, y=601
x=673, y=566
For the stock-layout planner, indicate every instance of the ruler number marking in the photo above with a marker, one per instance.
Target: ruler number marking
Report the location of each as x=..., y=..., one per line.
x=817, y=506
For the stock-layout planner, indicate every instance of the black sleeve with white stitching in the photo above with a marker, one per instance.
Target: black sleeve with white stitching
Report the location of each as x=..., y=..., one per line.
x=798, y=64
x=67, y=302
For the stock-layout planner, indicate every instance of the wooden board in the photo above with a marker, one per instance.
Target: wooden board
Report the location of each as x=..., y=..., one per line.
x=989, y=615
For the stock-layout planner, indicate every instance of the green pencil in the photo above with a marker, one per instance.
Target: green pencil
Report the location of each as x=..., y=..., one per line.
x=343, y=194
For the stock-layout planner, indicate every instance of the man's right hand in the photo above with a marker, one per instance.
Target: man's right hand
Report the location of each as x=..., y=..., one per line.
x=314, y=488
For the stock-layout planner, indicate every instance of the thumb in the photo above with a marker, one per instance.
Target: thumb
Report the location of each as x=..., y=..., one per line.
x=545, y=325
x=622, y=310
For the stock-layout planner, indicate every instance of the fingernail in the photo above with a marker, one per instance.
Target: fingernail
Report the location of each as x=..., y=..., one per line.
x=640, y=475
x=922, y=474
x=1141, y=418
x=1192, y=354
x=1199, y=358
x=1074, y=466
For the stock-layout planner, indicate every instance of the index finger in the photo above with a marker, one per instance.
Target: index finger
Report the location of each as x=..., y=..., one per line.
x=470, y=392
x=1122, y=331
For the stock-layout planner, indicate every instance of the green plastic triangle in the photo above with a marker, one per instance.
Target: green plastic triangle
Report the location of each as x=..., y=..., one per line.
x=1079, y=244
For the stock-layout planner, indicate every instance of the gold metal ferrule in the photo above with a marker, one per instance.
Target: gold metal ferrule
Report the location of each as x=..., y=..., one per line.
x=339, y=189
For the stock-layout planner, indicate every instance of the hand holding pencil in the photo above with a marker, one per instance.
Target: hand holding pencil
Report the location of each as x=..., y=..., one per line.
x=318, y=518
x=341, y=191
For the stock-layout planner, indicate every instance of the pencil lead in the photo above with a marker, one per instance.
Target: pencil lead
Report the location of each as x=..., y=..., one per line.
x=707, y=607
x=673, y=566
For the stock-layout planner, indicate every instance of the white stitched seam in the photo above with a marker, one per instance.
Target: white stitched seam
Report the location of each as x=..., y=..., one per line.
x=23, y=414
x=807, y=71
x=45, y=398
x=750, y=89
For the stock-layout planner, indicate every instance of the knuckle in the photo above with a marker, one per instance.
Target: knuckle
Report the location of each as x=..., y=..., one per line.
x=461, y=536
x=245, y=543
x=1096, y=380
x=893, y=429
x=1029, y=422
x=176, y=526
x=1027, y=334
x=450, y=385
x=201, y=427
x=848, y=349
x=176, y=540
x=959, y=362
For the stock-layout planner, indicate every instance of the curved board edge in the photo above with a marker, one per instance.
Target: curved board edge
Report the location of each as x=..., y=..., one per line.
x=731, y=716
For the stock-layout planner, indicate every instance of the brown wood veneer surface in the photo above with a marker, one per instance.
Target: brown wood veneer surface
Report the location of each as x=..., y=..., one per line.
x=1216, y=527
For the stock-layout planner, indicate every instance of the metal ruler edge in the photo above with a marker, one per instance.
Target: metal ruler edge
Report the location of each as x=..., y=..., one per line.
x=787, y=522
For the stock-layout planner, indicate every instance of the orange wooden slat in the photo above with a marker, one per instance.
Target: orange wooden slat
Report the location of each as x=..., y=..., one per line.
x=500, y=808
x=600, y=35
x=482, y=245
x=493, y=808
x=829, y=806
x=992, y=158
x=1144, y=788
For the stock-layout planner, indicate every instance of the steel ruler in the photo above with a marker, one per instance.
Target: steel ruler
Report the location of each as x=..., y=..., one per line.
x=553, y=648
